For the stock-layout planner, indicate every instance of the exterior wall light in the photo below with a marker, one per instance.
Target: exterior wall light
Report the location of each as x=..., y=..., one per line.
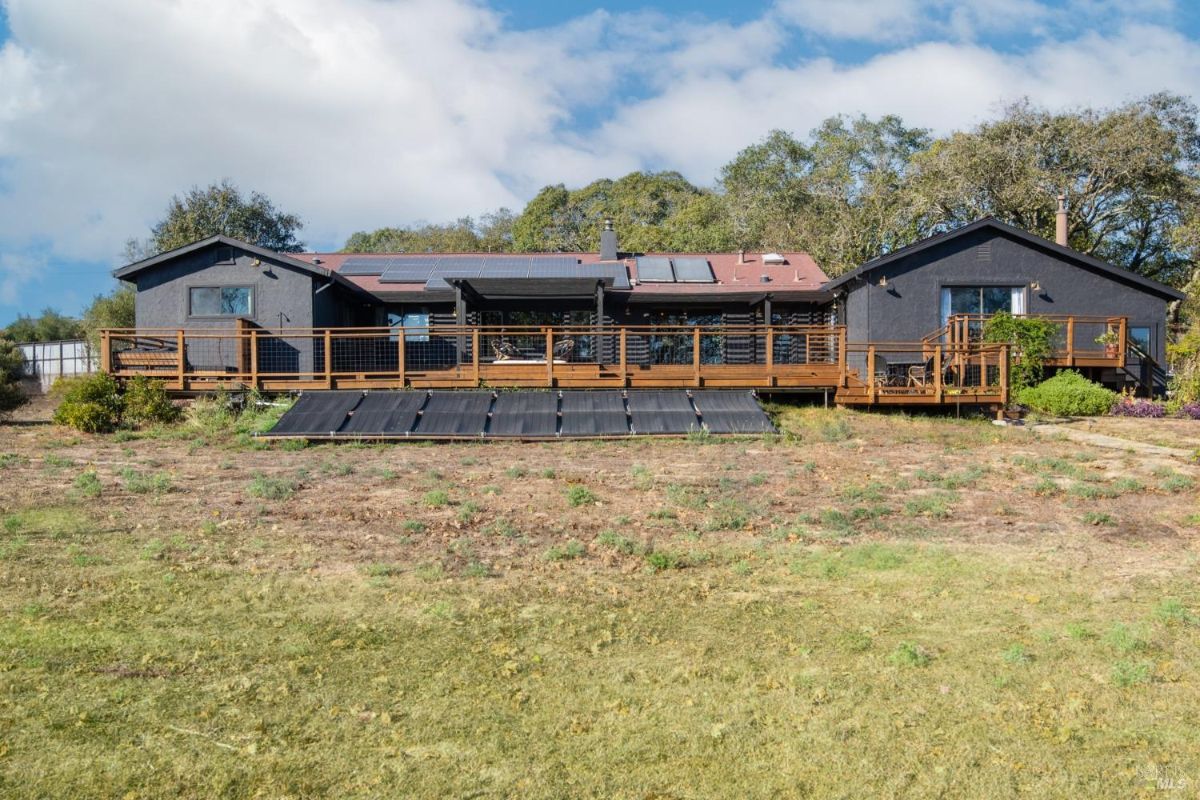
x=1035, y=286
x=883, y=280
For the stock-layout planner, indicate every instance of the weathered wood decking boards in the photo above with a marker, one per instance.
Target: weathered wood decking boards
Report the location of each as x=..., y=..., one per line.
x=948, y=367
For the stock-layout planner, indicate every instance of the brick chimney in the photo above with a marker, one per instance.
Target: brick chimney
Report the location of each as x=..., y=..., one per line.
x=608, y=242
x=1060, y=221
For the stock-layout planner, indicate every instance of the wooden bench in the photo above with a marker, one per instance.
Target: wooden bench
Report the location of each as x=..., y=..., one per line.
x=152, y=360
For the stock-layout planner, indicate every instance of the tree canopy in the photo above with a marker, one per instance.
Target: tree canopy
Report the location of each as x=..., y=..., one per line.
x=49, y=326
x=220, y=208
x=857, y=188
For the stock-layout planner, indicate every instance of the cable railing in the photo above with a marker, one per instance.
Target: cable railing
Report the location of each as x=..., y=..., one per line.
x=1079, y=340
x=473, y=355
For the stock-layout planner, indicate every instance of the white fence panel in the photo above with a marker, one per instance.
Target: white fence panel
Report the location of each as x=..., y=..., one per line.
x=48, y=361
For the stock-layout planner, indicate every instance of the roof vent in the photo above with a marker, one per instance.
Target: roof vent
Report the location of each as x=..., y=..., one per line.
x=764, y=278
x=316, y=261
x=773, y=258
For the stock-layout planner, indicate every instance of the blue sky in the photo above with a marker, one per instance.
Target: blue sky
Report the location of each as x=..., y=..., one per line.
x=357, y=113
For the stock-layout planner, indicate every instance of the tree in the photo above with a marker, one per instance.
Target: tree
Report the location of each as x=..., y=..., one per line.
x=11, y=362
x=51, y=326
x=642, y=206
x=840, y=196
x=491, y=234
x=220, y=209
x=113, y=310
x=1130, y=173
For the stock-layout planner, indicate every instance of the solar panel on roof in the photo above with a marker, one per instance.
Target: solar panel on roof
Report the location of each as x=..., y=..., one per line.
x=364, y=266
x=655, y=269
x=692, y=270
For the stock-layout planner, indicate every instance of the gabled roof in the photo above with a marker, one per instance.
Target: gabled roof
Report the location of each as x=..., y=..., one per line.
x=125, y=272
x=1029, y=238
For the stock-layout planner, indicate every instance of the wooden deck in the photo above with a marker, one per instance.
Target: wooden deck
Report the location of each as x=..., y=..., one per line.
x=947, y=368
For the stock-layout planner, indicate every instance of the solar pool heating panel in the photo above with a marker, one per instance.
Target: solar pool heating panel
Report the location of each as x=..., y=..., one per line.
x=731, y=412
x=385, y=414
x=524, y=414
x=597, y=413
x=662, y=412
x=317, y=414
x=454, y=414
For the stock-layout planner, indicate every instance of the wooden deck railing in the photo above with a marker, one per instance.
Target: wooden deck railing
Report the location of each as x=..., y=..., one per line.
x=452, y=356
x=906, y=373
x=1075, y=346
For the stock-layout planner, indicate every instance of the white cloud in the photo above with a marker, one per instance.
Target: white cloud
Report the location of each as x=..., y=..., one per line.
x=360, y=113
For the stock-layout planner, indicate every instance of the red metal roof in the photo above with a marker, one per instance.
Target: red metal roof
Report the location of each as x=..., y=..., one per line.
x=798, y=273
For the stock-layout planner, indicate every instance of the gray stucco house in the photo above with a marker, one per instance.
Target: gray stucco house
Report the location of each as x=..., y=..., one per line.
x=659, y=320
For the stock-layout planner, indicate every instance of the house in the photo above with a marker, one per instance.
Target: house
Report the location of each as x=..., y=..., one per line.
x=903, y=328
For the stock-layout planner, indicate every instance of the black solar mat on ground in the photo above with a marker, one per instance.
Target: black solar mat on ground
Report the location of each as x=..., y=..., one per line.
x=524, y=414
x=662, y=412
x=731, y=412
x=597, y=413
x=317, y=413
x=454, y=414
x=385, y=413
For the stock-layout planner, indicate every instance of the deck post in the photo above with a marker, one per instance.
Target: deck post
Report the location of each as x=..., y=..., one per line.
x=696, y=354
x=328, y=359
x=1122, y=338
x=105, y=351
x=1070, y=341
x=871, y=373
x=254, y=358
x=400, y=356
x=771, y=354
x=550, y=357
x=621, y=356
x=938, y=388
x=180, y=356
x=475, y=356
x=1004, y=374
x=841, y=334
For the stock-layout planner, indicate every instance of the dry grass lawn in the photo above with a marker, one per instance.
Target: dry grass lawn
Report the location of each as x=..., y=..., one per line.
x=866, y=605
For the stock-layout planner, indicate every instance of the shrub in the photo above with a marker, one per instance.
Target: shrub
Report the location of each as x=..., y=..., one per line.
x=11, y=396
x=1068, y=394
x=146, y=403
x=1030, y=340
x=1128, y=406
x=1190, y=410
x=580, y=496
x=90, y=404
x=271, y=488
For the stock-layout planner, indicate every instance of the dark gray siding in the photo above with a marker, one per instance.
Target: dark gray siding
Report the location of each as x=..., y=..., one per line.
x=283, y=295
x=909, y=307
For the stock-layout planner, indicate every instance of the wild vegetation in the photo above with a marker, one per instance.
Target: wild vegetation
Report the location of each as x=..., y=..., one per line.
x=936, y=606
x=1068, y=394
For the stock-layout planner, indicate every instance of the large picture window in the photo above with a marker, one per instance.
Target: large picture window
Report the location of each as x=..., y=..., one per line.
x=982, y=300
x=221, y=301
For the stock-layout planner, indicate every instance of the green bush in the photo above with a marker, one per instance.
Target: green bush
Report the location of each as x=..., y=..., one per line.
x=146, y=403
x=91, y=404
x=11, y=396
x=1068, y=394
x=1030, y=341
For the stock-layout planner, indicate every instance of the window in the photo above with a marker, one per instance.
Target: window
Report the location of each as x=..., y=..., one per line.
x=221, y=301
x=982, y=300
x=415, y=321
x=1140, y=335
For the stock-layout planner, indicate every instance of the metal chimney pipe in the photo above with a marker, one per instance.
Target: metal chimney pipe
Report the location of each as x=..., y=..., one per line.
x=741, y=256
x=1060, y=221
x=608, y=242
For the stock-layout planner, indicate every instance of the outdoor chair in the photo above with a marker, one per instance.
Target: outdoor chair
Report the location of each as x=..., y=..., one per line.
x=504, y=350
x=564, y=348
x=921, y=374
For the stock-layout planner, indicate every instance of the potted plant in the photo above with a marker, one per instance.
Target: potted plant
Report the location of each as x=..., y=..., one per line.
x=1110, y=340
